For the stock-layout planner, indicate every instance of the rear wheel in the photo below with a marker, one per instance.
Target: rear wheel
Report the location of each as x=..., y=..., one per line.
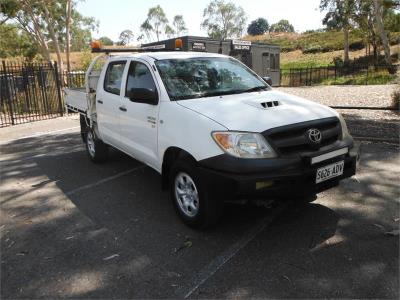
x=195, y=205
x=95, y=148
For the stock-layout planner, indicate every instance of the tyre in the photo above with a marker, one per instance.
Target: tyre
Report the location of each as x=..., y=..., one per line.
x=84, y=127
x=95, y=148
x=195, y=205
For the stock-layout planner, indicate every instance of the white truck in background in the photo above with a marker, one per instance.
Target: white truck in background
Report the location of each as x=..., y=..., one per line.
x=212, y=128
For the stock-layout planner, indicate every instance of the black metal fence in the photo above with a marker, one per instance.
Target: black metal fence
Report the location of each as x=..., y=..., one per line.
x=353, y=74
x=29, y=92
x=73, y=79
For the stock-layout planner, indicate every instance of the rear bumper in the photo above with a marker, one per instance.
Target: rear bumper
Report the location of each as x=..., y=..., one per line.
x=278, y=178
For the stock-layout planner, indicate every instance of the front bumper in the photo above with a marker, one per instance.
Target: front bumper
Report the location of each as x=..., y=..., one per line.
x=234, y=178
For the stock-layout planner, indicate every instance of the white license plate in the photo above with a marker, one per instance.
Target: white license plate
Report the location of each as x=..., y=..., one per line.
x=330, y=171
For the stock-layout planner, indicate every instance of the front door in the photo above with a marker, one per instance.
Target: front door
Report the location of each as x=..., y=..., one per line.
x=139, y=121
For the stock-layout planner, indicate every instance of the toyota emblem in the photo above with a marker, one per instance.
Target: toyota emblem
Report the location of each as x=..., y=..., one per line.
x=314, y=135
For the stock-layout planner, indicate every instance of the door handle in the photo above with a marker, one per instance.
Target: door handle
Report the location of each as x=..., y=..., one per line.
x=122, y=108
x=100, y=101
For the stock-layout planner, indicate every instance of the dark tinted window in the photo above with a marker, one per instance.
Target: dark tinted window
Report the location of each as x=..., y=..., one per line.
x=139, y=76
x=113, y=78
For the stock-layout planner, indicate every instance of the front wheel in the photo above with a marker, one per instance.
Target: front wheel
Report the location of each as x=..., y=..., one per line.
x=196, y=206
x=95, y=148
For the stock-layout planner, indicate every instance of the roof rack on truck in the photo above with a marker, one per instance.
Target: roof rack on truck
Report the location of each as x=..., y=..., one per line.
x=97, y=48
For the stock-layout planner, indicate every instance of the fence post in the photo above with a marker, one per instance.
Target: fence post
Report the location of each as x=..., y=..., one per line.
x=335, y=73
x=7, y=93
x=300, y=79
x=58, y=86
x=311, y=70
x=366, y=77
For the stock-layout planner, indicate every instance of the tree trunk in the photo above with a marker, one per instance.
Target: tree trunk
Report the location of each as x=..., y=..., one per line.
x=381, y=30
x=346, y=44
x=68, y=36
x=35, y=31
x=53, y=36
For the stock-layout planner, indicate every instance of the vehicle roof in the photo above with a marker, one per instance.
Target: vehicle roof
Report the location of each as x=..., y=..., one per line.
x=168, y=55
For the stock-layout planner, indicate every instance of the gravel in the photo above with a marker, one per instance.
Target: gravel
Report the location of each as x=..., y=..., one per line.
x=341, y=95
x=362, y=123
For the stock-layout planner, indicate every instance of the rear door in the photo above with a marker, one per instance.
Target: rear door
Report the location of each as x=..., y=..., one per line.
x=139, y=121
x=108, y=102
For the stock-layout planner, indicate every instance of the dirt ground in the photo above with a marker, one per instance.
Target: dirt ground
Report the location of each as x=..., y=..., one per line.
x=70, y=228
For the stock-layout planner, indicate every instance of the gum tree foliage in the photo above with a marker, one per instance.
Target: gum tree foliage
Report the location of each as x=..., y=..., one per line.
x=125, y=37
x=223, y=20
x=106, y=41
x=258, y=27
x=45, y=22
x=169, y=31
x=15, y=42
x=179, y=25
x=282, y=26
x=156, y=23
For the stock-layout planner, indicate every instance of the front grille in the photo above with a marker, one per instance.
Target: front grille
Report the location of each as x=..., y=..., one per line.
x=293, y=139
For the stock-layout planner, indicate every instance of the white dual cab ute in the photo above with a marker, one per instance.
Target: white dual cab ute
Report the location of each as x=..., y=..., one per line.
x=213, y=129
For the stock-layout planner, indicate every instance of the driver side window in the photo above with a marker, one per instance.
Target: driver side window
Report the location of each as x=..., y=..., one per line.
x=139, y=77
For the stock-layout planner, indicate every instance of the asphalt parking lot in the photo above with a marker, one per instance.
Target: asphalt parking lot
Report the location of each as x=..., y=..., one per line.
x=70, y=228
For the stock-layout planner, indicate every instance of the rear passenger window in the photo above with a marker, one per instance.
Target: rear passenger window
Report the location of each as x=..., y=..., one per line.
x=113, y=78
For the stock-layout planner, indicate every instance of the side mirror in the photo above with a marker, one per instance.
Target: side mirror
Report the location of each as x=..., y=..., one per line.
x=143, y=95
x=268, y=80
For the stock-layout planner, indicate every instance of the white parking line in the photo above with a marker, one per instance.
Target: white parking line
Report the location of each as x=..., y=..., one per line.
x=37, y=135
x=101, y=181
x=228, y=254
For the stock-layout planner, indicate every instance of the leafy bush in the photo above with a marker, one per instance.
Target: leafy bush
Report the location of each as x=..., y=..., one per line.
x=357, y=45
x=394, y=38
x=338, y=61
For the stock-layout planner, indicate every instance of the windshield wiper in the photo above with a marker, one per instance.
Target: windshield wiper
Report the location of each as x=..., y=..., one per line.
x=256, y=88
x=220, y=93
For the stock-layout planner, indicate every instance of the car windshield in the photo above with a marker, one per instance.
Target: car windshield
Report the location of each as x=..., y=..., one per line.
x=207, y=77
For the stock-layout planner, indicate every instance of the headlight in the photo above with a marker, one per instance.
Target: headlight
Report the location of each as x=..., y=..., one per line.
x=244, y=144
x=345, y=131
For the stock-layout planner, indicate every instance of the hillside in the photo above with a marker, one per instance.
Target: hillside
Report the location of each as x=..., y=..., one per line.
x=318, y=48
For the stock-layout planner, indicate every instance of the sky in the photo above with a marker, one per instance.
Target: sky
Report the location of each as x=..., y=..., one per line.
x=117, y=15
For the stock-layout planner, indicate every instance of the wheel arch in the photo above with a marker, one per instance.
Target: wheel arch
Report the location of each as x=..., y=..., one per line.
x=170, y=156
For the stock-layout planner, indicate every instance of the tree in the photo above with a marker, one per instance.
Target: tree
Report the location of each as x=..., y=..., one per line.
x=378, y=12
x=223, y=20
x=258, y=27
x=169, y=31
x=339, y=16
x=282, y=26
x=45, y=22
x=392, y=21
x=106, y=41
x=147, y=30
x=179, y=25
x=15, y=42
x=81, y=31
x=156, y=22
x=68, y=32
x=125, y=37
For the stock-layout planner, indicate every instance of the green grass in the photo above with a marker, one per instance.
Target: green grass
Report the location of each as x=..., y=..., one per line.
x=361, y=79
x=285, y=66
x=317, y=42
